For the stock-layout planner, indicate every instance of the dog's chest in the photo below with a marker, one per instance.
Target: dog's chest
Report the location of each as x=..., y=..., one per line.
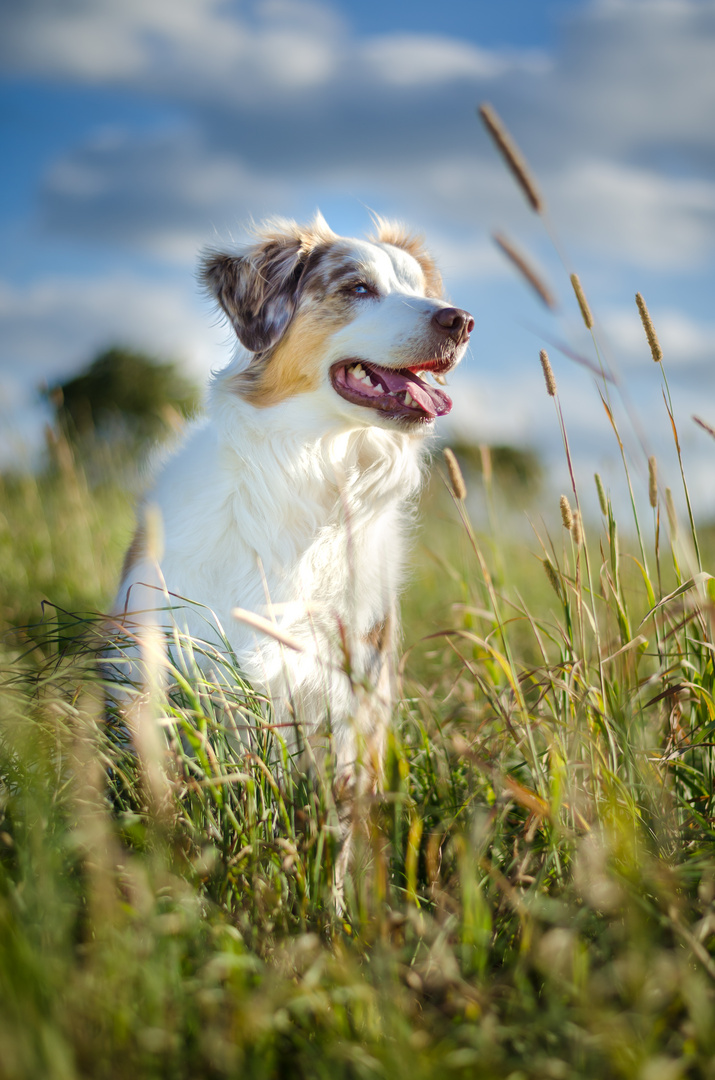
x=332, y=541
x=335, y=559
x=309, y=539
x=350, y=570
x=329, y=589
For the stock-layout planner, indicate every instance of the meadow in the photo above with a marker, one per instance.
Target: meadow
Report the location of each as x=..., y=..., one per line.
x=532, y=891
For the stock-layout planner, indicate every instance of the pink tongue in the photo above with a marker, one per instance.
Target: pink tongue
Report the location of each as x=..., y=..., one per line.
x=434, y=402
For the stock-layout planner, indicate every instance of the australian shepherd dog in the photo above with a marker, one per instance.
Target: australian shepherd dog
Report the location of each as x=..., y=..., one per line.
x=291, y=498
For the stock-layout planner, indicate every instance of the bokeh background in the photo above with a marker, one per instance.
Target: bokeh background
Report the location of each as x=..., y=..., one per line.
x=136, y=132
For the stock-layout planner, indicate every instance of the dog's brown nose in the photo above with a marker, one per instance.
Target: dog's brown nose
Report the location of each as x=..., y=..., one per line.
x=455, y=322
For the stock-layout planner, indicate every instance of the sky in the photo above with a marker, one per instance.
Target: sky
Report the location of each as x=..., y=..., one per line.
x=137, y=132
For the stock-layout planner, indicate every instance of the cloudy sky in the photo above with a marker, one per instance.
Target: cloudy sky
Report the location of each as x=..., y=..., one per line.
x=136, y=131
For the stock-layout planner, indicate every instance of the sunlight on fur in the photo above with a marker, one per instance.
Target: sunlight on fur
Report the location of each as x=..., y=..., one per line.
x=290, y=499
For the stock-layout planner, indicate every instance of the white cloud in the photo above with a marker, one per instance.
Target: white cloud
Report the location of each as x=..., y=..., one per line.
x=278, y=97
x=55, y=326
x=636, y=214
x=271, y=49
x=422, y=59
x=633, y=72
x=498, y=406
x=159, y=193
x=100, y=41
x=684, y=340
x=190, y=48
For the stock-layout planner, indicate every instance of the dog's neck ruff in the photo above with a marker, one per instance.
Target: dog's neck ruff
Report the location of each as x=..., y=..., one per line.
x=312, y=464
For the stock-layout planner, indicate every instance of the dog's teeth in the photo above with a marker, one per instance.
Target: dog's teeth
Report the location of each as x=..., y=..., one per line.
x=358, y=371
x=368, y=381
x=379, y=388
x=439, y=379
x=408, y=398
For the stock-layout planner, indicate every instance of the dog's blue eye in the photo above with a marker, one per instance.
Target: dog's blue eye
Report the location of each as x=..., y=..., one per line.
x=360, y=289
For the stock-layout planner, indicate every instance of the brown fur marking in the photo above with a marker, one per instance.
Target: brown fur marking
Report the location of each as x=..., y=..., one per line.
x=257, y=288
x=326, y=268
x=293, y=366
x=377, y=637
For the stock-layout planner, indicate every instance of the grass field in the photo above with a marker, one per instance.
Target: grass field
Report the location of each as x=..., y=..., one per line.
x=532, y=894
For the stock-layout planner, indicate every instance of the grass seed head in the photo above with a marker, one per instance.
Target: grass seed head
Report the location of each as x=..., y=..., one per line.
x=512, y=156
x=527, y=271
x=672, y=515
x=459, y=488
x=602, y=500
x=653, y=481
x=566, y=514
x=582, y=301
x=577, y=529
x=486, y=458
x=549, y=376
x=552, y=575
x=655, y=349
x=706, y=427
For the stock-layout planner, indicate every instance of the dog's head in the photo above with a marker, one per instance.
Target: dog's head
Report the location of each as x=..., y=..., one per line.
x=360, y=322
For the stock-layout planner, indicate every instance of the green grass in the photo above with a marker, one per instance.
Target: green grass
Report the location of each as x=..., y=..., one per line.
x=63, y=532
x=532, y=893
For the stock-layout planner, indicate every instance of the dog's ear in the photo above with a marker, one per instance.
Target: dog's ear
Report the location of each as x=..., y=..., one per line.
x=258, y=288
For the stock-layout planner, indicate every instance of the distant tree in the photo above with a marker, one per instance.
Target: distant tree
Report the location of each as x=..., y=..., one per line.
x=123, y=393
x=512, y=465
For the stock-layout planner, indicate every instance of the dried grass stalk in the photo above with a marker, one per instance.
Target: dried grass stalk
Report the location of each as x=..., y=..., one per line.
x=582, y=301
x=459, y=488
x=655, y=349
x=527, y=271
x=264, y=626
x=549, y=377
x=704, y=426
x=512, y=156
x=653, y=481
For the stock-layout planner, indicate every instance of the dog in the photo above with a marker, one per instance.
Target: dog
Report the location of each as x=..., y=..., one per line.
x=292, y=498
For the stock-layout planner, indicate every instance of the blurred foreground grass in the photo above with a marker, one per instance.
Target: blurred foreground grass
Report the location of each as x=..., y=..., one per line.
x=533, y=892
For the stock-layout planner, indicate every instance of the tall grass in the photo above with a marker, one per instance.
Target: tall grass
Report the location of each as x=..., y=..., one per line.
x=531, y=894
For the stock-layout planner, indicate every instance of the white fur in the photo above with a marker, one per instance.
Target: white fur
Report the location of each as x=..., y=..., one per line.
x=297, y=512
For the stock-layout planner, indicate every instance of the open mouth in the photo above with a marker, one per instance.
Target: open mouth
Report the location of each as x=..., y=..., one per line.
x=397, y=392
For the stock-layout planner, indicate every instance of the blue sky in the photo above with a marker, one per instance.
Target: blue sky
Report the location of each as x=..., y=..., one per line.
x=136, y=132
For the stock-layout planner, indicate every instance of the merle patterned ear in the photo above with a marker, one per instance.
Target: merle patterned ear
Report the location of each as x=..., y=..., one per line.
x=257, y=289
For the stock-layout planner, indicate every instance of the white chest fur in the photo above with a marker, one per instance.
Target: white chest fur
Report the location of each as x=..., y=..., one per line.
x=261, y=513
